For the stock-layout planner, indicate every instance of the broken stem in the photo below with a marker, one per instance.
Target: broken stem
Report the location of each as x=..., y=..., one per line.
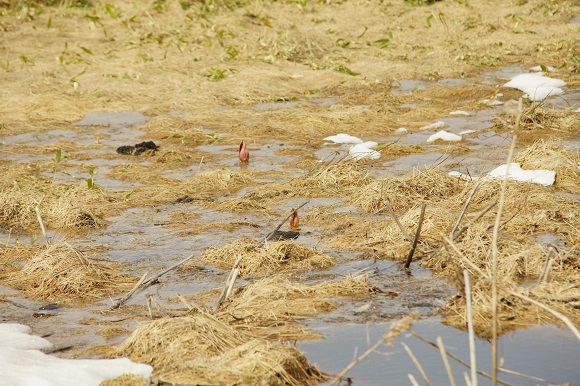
x=416, y=239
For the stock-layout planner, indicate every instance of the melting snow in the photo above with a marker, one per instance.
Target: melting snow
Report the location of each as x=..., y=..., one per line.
x=343, y=138
x=24, y=365
x=444, y=136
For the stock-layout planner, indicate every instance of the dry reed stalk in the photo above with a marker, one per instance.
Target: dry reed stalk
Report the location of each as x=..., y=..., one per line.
x=558, y=315
x=416, y=239
x=229, y=284
x=456, y=358
x=39, y=217
x=446, y=361
x=412, y=380
x=543, y=278
x=130, y=293
x=472, y=359
x=142, y=284
x=417, y=363
x=495, y=321
x=396, y=329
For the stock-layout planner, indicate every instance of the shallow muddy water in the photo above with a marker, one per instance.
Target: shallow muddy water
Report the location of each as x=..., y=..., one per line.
x=547, y=352
x=146, y=239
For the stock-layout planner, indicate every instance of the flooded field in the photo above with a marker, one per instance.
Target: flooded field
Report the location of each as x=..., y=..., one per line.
x=128, y=200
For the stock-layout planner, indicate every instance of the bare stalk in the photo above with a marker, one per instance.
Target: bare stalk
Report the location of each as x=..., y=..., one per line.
x=417, y=364
x=142, y=284
x=229, y=284
x=494, y=330
x=446, y=361
x=130, y=293
x=451, y=235
x=558, y=315
x=396, y=329
x=456, y=358
x=394, y=216
x=470, y=328
x=416, y=239
x=39, y=217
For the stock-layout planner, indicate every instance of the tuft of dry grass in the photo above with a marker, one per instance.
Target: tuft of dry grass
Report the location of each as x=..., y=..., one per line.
x=553, y=156
x=211, y=351
x=61, y=272
x=275, y=257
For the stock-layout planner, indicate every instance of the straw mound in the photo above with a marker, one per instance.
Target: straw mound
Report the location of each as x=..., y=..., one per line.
x=221, y=179
x=62, y=273
x=62, y=206
x=541, y=118
x=431, y=185
x=553, y=156
x=200, y=349
x=281, y=256
x=276, y=300
x=335, y=179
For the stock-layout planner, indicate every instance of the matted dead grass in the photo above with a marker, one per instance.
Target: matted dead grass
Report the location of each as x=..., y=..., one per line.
x=62, y=273
x=277, y=300
x=211, y=351
x=554, y=156
x=64, y=207
x=259, y=260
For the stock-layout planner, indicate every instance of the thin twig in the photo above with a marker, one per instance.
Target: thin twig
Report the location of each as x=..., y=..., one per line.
x=154, y=278
x=416, y=239
x=130, y=293
x=494, y=252
x=144, y=284
x=269, y=236
x=446, y=361
x=412, y=380
x=229, y=284
x=464, y=228
x=476, y=218
x=394, y=216
x=547, y=266
x=39, y=217
x=455, y=357
x=396, y=329
x=472, y=358
x=417, y=364
x=464, y=210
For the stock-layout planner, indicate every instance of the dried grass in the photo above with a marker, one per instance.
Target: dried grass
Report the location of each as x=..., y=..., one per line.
x=211, y=351
x=62, y=273
x=275, y=257
x=553, y=156
x=276, y=299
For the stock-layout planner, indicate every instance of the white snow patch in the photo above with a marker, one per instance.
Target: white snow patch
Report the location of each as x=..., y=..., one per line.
x=436, y=125
x=536, y=86
x=459, y=112
x=364, y=150
x=494, y=102
x=24, y=365
x=515, y=172
x=343, y=138
x=401, y=130
x=18, y=336
x=444, y=136
x=465, y=132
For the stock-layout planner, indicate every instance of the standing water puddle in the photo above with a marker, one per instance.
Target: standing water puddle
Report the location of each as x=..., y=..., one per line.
x=545, y=351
